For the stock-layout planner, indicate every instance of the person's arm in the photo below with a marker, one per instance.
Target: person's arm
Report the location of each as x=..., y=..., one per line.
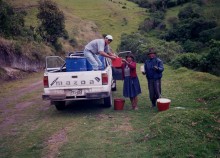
x=160, y=67
x=111, y=53
x=106, y=55
x=102, y=50
x=131, y=65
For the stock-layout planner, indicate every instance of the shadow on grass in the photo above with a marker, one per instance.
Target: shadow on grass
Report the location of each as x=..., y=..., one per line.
x=85, y=106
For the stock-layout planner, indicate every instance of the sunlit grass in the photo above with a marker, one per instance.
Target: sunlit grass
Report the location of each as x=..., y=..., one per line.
x=109, y=16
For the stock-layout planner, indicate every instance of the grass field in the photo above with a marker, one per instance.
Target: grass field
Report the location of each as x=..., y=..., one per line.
x=85, y=129
x=86, y=19
x=109, y=16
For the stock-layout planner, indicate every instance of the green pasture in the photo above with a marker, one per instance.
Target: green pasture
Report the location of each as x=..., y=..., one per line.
x=190, y=128
x=111, y=17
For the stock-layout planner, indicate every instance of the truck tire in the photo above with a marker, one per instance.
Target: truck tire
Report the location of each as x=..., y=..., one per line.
x=108, y=101
x=60, y=105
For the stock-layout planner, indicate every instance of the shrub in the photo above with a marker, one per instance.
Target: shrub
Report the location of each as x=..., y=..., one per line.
x=52, y=21
x=139, y=45
x=172, y=21
x=192, y=46
x=189, y=60
x=210, y=62
x=207, y=35
x=73, y=42
x=11, y=23
x=190, y=11
x=147, y=25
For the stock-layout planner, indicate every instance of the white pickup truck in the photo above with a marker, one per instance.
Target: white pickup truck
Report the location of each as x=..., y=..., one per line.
x=61, y=85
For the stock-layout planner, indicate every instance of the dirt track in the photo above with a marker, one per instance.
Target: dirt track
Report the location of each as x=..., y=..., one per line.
x=13, y=112
x=31, y=127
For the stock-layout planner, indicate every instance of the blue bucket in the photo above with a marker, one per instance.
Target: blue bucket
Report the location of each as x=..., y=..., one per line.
x=76, y=64
x=102, y=59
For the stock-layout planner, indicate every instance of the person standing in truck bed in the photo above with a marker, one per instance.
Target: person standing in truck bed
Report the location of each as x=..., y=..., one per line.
x=98, y=47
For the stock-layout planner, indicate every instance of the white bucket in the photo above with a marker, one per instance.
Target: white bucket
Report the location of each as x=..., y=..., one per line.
x=142, y=68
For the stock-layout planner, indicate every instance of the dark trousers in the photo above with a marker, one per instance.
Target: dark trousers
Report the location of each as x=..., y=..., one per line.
x=154, y=87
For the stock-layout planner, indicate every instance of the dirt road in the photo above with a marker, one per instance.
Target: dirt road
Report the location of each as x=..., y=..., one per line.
x=20, y=103
x=31, y=127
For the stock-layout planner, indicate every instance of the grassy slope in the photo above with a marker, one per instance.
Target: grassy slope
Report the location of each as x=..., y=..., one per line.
x=211, y=10
x=110, y=17
x=86, y=19
x=95, y=132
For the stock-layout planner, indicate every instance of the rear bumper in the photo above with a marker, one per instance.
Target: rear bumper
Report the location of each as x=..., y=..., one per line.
x=63, y=97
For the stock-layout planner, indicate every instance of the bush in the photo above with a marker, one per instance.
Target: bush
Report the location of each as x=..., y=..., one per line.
x=190, y=11
x=207, y=35
x=58, y=46
x=147, y=25
x=73, y=42
x=172, y=21
x=11, y=23
x=189, y=60
x=192, y=46
x=210, y=62
x=139, y=45
x=52, y=21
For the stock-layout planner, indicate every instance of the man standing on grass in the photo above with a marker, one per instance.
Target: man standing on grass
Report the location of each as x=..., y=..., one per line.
x=153, y=68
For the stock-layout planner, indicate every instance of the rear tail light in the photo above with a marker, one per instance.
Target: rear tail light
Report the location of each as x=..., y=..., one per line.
x=104, y=79
x=46, y=85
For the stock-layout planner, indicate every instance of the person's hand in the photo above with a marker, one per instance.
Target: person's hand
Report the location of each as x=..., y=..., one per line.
x=156, y=68
x=123, y=60
x=113, y=57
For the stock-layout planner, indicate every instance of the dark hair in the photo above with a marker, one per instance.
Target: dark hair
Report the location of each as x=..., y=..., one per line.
x=104, y=35
x=130, y=55
x=151, y=51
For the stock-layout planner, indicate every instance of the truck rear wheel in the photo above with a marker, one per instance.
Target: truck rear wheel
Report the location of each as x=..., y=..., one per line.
x=108, y=101
x=60, y=105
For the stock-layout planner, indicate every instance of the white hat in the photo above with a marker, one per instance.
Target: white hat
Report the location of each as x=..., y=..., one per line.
x=109, y=37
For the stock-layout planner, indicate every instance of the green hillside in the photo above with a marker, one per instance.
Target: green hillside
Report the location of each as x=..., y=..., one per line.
x=86, y=19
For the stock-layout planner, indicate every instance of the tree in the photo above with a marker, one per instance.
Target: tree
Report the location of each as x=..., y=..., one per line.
x=210, y=62
x=11, y=23
x=52, y=21
x=191, y=26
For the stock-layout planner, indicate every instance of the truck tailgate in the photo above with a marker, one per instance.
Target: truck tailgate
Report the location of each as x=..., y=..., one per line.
x=74, y=79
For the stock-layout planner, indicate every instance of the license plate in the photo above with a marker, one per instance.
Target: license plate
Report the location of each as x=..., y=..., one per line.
x=76, y=92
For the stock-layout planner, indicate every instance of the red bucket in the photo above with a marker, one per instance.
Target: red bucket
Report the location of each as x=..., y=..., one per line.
x=117, y=62
x=163, y=104
x=119, y=104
